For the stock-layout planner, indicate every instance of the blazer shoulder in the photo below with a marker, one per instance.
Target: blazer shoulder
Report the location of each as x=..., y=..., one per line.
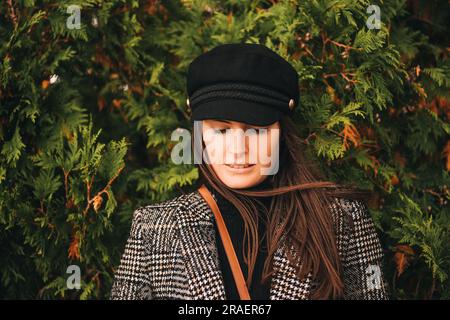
x=347, y=211
x=356, y=228
x=164, y=212
x=350, y=216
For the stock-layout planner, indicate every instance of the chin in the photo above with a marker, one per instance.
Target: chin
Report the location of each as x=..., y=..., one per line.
x=241, y=181
x=239, y=185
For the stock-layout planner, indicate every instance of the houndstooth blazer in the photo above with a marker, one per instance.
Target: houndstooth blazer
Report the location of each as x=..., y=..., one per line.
x=171, y=253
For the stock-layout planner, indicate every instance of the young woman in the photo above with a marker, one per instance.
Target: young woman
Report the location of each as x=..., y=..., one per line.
x=295, y=235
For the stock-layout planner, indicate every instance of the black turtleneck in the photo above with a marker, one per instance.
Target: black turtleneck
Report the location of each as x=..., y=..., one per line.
x=235, y=226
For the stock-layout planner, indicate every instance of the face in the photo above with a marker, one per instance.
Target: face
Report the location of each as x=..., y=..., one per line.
x=241, y=155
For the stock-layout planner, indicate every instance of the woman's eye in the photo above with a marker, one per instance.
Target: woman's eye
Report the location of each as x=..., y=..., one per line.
x=252, y=131
x=259, y=130
x=220, y=131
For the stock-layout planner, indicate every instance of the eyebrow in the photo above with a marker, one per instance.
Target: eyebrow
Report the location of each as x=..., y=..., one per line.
x=221, y=120
x=226, y=121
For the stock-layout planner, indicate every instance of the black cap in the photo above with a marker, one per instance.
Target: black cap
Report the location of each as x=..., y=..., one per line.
x=242, y=82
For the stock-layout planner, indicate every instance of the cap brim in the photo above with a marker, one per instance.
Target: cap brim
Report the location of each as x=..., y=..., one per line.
x=237, y=110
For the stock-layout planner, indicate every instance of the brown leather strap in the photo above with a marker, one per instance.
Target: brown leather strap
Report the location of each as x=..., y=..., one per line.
x=227, y=244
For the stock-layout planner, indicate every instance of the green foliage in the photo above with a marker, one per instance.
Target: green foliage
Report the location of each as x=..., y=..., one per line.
x=419, y=229
x=87, y=114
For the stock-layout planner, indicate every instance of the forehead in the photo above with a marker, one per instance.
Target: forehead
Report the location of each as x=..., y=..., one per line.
x=220, y=122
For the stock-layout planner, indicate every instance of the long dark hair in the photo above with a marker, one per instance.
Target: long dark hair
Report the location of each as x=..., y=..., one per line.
x=299, y=209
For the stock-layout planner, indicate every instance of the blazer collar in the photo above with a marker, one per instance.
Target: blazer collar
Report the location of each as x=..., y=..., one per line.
x=198, y=245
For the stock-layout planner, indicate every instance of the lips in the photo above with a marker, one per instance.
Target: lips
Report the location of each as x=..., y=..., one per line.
x=239, y=166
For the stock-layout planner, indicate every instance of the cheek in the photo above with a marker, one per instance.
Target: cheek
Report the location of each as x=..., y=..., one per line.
x=269, y=142
x=214, y=145
x=274, y=141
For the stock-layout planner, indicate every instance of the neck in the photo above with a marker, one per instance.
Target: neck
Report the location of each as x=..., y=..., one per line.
x=264, y=185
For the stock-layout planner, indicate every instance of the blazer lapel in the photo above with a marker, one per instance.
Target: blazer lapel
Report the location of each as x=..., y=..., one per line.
x=286, y=285
x=198, y=243
x=197, y=235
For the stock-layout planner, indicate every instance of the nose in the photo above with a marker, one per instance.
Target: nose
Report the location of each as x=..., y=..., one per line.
x=236, y=146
